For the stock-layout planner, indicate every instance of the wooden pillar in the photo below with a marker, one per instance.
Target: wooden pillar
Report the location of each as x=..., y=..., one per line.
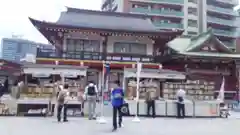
x=237, y=64
x=104, y=47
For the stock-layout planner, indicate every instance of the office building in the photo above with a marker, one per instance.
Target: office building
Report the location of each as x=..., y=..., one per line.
x=192, y=16
x=14, y=49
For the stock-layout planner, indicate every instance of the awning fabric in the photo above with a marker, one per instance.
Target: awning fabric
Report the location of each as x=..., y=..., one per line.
x=155, y=74
x=73, y=73
x=46, y=72
x=39, y=72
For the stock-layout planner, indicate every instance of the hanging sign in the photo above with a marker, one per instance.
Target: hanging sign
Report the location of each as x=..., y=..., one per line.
x=41, y=75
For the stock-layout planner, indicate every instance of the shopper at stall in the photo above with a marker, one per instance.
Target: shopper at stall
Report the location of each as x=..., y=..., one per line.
x=91, y=95
x=117, y=98
x=1, y=89
x=150, y=100
x=180, y=103
x=62, y=103
x=6, y=85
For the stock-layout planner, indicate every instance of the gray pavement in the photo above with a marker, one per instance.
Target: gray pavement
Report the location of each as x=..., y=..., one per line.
x=158, y=126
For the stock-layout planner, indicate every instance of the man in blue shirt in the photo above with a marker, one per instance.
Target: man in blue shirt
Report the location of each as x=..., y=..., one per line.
x=117, y=98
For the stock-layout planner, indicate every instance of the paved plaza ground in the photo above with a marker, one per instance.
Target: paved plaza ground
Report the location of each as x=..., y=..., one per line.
x=82, y=126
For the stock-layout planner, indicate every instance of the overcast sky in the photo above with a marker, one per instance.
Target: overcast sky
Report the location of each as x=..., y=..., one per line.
x=14, y=15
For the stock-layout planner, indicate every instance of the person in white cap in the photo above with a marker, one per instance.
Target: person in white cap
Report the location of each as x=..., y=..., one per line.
x=180, y=103
x=91, y=95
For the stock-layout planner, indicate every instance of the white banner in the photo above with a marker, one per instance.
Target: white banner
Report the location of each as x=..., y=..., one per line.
x=221, y=95
x=41, y=75
x=46, y=72
x=71, y=73
x=156, y=75
x=38, y=71
x=139, y=69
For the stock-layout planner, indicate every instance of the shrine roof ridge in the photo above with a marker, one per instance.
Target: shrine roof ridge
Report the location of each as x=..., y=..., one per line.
x=104, y=20
x=75, y=18
x=98, y=12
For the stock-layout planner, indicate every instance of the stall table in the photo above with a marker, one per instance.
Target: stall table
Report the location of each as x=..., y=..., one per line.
x=74, y=108
x=207, y=108
x=34, y=107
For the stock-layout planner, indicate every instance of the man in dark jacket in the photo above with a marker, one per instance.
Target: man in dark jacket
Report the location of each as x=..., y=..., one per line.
x=62, y=103
x=150, y=100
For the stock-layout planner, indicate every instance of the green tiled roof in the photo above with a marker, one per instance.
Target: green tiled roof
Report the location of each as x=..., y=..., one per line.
x=199, y=41
x=188, y=46
x=179, y=44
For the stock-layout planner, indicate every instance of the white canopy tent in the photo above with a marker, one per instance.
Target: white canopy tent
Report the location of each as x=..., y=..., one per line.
x=43, y=71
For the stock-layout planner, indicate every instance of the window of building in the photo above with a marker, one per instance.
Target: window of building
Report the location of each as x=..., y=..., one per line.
x=193, y=1
x=136, y=48
x=145, y=6
x=91, y=45
x=192, y=11
x=77, y=45
x=70, y=45
x=19, y=48
x=121, y=47
x=192, y=33
x=192, y=23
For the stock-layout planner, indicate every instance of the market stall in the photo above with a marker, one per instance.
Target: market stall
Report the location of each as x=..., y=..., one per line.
x=151, y=79
x=9, y=72
x=76, y=80
x=38, y=96
x=37, y=91
x=76, y=89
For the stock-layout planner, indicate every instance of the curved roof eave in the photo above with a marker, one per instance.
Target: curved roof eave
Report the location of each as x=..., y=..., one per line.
x=39, y=24
x=206, y=36
x=11, y=63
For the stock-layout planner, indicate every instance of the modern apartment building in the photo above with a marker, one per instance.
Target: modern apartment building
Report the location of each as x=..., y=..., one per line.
x=14, y=49
x=193, y=16
x=238, y=31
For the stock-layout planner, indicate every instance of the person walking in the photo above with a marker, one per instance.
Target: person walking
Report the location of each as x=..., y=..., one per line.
x=62, y=103
x=180, y=103
x=117, y=99
x=91, y=95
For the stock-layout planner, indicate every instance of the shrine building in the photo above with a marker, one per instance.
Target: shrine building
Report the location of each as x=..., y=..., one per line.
x=86, y=39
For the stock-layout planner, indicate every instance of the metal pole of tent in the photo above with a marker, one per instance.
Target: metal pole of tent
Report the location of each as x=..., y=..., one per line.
x=102, y=91
x=238, y=91
x=102, y=120
x=139, y=66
